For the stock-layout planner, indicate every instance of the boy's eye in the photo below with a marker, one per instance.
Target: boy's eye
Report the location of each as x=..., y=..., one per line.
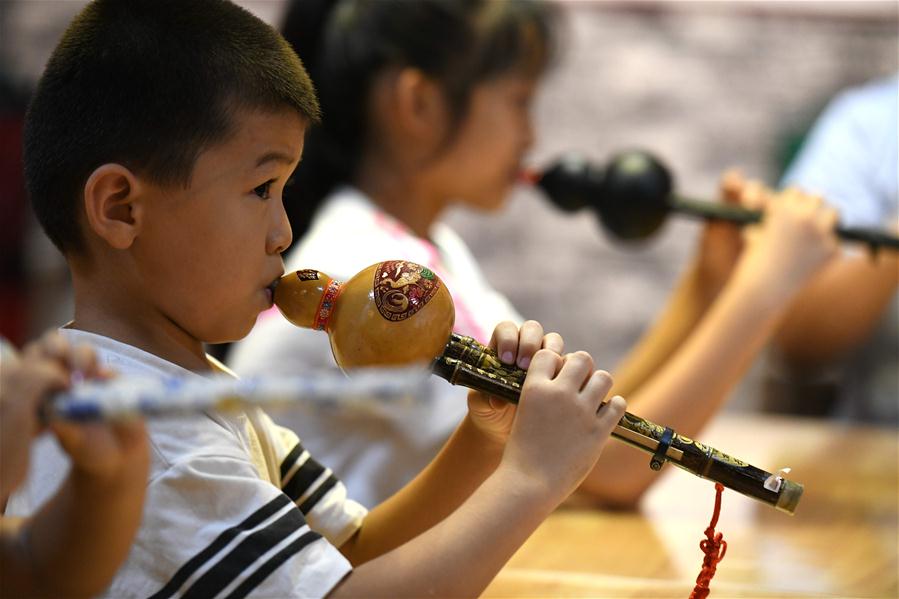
x=264, y=190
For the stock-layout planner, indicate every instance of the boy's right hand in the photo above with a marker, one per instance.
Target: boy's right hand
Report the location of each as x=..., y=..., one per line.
x=514, y=346
x=102, y=451
x=561, y=424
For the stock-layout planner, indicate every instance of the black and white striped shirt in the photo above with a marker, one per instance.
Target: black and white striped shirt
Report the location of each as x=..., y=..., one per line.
x=235, y=506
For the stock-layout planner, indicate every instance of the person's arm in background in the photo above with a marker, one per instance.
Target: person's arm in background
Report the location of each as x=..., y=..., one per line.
x=794, y=240
x=697, y=288
x=838, y=311
x=850, y=158
x=74, y=544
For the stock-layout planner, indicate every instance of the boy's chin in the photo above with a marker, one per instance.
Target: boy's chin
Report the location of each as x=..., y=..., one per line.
x=230, y=334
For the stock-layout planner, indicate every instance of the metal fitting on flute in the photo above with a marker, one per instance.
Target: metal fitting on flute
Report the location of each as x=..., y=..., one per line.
x=398, y=312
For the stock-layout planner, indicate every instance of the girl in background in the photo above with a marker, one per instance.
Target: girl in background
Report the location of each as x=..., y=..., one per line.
x=427, y=104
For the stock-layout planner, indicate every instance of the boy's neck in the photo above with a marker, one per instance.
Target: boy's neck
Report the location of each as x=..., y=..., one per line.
x=106, y=310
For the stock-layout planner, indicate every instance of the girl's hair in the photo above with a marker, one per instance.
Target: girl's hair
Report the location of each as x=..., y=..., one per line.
x=346, y=44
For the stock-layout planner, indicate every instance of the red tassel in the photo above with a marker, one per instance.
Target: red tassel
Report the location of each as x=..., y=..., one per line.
x=714, y=547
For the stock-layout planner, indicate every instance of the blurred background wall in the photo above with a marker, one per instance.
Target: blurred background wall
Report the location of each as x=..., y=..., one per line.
x=705, y=85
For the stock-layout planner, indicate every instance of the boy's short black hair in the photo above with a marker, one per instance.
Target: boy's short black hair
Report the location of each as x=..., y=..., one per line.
x=149, y=84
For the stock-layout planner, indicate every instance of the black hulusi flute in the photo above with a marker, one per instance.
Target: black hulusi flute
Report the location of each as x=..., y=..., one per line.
x=397, y=312
x=633, y=195
x=470, y=364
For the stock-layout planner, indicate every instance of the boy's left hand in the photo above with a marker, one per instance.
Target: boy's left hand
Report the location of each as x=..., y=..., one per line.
x=492, y=415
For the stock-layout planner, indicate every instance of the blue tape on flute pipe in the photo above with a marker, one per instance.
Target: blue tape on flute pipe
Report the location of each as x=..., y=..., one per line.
x=128, y=397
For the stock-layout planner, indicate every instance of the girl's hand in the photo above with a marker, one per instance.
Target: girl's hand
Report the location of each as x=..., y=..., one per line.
x=514, y=346
x=721, y=243
x=795, y=239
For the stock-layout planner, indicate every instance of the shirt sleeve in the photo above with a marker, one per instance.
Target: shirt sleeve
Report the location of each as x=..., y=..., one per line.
x=316, y=491
x=850, y=156
x=214, y=529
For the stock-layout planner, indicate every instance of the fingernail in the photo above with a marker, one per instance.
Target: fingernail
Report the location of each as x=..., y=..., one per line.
x=508, y=358
x=524, y=363
x=77, y=377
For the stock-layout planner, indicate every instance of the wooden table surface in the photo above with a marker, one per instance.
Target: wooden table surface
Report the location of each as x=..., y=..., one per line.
x=842, y=541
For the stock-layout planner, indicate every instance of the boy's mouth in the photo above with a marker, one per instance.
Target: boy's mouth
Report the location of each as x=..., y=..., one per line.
x=270, y=291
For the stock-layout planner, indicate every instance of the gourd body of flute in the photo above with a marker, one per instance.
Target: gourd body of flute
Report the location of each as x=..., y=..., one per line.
x=391, y=313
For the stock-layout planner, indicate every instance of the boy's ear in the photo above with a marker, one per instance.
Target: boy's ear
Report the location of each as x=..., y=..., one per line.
x=112, y=206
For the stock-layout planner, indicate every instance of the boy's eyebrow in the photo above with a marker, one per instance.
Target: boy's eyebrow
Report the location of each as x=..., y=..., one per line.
x=274, y=156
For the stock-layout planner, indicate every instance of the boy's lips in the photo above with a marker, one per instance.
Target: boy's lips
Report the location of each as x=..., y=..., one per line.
x=270, y=290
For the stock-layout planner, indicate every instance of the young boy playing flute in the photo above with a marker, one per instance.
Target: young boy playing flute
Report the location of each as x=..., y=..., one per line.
x=157, y=147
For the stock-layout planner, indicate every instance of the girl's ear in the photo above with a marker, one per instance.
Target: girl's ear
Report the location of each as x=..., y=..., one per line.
x=420, y=105
x=112, y=205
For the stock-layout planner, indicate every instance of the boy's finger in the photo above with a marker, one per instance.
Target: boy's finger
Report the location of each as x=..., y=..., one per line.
x=598, y=386
x=505, y=341
x=610, y=412
x=545, y=364
x=530, y=339
x=576, y=368
x=554, y=342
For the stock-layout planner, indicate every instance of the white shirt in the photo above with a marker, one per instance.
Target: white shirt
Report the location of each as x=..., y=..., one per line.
x=234, y=503
x=851, y=156
x=377, y=450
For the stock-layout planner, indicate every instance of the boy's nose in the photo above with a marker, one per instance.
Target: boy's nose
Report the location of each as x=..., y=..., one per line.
x=281, y=235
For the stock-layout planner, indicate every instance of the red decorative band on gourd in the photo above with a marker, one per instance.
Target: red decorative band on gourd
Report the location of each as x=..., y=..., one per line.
x=403, y=288
x=326, y=306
